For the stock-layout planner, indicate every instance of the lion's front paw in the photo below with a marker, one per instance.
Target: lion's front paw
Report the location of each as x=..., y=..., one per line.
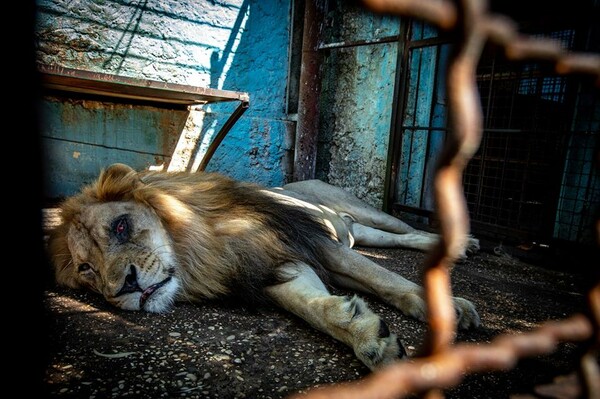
x=466, y=314
x=380, y=350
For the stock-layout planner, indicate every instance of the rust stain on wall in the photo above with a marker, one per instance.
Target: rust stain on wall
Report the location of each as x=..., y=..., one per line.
x=172, y=126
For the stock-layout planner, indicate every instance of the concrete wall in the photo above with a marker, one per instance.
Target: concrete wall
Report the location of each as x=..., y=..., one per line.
x=239, y=45
x=356, y=101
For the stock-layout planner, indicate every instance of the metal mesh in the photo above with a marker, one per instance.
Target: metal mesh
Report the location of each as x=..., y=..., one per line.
x=512, y=182
x=528, y=149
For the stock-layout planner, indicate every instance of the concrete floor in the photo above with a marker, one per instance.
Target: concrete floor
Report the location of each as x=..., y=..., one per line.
x=223, y=350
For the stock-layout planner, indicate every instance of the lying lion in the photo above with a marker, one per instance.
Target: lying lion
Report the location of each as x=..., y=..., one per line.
x=145, y=240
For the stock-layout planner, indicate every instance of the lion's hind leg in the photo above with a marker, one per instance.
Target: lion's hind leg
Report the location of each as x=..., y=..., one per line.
x=348, y=320
x=349, y=269
x=371, y=237
x=366, y=216
x=343, y=201
x=417, y=239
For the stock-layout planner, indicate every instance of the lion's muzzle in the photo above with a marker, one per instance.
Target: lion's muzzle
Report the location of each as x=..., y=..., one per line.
x=131, y=285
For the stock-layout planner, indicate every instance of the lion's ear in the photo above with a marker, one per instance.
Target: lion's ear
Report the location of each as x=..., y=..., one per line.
x=116, y=182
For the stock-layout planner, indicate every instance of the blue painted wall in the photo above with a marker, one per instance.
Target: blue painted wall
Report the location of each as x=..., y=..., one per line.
x=356, y=100
x=260, y=148
x=82, y=137
x=239, y=45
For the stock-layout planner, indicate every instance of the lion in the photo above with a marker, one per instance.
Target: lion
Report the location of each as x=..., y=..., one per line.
x=146, y=239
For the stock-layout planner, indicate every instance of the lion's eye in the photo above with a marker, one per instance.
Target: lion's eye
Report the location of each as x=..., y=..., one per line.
x=120, y=228
x=84, y=267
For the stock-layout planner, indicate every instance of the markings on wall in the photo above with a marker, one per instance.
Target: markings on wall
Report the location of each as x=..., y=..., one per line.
x=76, y=154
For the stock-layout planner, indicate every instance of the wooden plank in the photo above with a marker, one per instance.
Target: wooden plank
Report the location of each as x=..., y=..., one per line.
x=95, y=83
x=113, y=125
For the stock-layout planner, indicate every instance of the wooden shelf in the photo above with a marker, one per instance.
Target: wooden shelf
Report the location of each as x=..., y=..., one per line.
x=106, y=85
x=115, y=86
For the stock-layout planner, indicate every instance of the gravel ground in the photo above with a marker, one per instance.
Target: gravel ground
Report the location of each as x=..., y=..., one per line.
x=223, y=350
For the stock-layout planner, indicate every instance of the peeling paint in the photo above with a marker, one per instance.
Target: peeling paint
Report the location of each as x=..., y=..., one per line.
x=355, y=119
x=356, y=100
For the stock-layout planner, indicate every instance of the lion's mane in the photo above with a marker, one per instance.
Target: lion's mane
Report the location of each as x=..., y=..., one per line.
x=228, y=236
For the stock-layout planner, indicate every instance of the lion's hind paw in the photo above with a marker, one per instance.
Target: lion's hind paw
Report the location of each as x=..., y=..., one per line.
x=471, y=248
x=383, y=350
x=473, y=245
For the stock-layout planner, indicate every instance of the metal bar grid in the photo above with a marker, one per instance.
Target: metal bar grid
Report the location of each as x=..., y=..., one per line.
x=581, y=180
x=510, y=180
x=512, y=187
x=444, y=364
x=513, y=182
x=423, y=128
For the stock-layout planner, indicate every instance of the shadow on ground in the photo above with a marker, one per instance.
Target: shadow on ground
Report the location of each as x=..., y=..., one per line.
x=224, y=350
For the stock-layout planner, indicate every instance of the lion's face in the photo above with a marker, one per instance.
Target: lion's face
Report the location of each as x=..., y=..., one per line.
x=121, y=250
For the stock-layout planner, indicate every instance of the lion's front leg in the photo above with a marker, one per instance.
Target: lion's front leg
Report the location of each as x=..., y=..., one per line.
x=348, y=320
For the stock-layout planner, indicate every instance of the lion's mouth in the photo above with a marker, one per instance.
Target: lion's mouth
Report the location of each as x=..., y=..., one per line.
x=131, y=285
x=151, y=290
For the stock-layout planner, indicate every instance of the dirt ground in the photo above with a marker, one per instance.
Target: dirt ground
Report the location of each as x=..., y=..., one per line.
x=224, y=350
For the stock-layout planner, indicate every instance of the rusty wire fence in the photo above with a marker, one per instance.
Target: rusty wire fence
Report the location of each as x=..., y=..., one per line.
x=444, y=364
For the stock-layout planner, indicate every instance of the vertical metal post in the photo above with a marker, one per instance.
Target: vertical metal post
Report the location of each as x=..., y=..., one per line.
x=398, y=105
x=309, y=92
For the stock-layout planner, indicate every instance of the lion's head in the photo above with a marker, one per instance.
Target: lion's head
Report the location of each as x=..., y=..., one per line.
x=115, y=246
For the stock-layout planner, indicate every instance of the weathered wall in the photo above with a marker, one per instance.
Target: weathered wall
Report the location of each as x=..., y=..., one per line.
x=82, y=137
x=239, y=45
x=356, y=101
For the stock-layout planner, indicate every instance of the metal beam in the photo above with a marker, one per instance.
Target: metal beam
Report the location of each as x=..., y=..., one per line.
x=310, y=89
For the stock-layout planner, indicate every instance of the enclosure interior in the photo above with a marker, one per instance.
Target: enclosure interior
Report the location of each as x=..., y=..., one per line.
x=533, y=180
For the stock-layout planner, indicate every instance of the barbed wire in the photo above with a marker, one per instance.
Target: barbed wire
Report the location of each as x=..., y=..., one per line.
x=444, y=364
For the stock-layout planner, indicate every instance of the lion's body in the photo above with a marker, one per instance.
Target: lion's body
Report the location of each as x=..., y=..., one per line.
x=145, y=240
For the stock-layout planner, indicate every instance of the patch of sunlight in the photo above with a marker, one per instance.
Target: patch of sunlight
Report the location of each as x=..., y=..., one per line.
x=68, y=304
x=188, y=142
x=207, y=138
x=371, y=254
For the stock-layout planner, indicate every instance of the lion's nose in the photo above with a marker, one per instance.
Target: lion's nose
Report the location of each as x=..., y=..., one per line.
x=130, y=284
